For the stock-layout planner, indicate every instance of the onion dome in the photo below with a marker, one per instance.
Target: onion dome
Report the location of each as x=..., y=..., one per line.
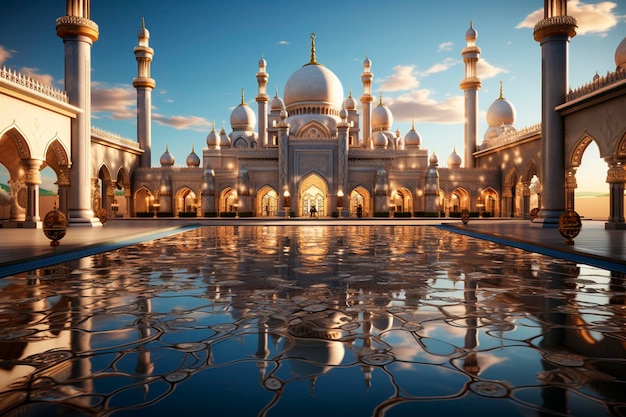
x=143, y=34
x=412, y=139
x=224, y=139
x=382, y=119
x=350, y=103
x=454, y=160
x=380, y=140
x=620, y=55
x=500, y=112
x=277, y=103
x=433, y=160
x=367, y=63
x=167, y=160
x=471, y=33
x=262, y=62
x=193, y=160
x=212, y=140
x=313, y=83
x=242, y=116
x=343, y=114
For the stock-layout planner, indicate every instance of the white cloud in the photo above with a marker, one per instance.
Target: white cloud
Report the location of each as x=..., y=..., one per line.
x=418, y=105
x=283, y=43
x=403, y=78
x=439, y=67
x=44, y=79
x=485, y=70
x=445, y=46
x=592, y=18
x=196, y=123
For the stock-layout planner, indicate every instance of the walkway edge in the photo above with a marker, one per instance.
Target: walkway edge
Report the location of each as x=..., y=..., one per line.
x=587, y=259
x=43, y=261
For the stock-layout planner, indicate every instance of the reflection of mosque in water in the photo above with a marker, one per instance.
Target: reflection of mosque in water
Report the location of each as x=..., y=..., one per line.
x=311, y=300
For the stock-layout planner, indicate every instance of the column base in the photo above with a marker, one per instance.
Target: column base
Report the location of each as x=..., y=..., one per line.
x=83, y=218
x=547, y=219
x=615, y=226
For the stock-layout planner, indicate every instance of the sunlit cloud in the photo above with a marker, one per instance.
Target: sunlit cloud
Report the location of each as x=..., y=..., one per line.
x=5, y=54
x=197, y=123
x=419, y=105
x=440, y=67
x=44, y=79
x=592, y=18
x=486, y=70
x=283, y=43
x=403, y=78
x=445, y=46
x=119, y=101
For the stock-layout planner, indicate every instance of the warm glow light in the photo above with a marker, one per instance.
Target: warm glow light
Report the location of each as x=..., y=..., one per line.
x=286, y=193
x=339, y=193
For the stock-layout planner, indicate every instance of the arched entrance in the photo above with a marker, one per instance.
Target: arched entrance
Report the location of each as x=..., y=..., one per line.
x=360, y=197
x=313, y=194
x=186, y=202
x=267, y=201
x=144, y=202
x=228, y=200
x=487, y=203
x=400, y=201
x=459, y=200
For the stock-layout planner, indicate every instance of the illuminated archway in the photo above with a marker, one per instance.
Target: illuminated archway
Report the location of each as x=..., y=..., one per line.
x=313, y=194
x=360, y=197
x=401, y=200
x=228, y=200
x=459, y=200
x=267, y=201
x=487, y=203
x=186, y=201
x=144, y=201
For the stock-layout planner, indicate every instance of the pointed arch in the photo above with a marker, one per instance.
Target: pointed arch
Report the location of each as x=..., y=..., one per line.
x=577, y=153
x=621, y=147
x=55, y=151
x=313, y=192
x=314, y=130
x=17, y=138
x=267, y=201
x=459, y=200
x=401, y=200
x=488, y=202
x=360, y=197
x=186, y=201
x=228, y=199
x=144, y=201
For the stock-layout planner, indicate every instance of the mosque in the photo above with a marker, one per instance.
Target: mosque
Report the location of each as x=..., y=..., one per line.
x=315, y=151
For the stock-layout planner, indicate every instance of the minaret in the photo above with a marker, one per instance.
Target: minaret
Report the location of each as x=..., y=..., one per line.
x=262, y=99
x=367, y=99
x=79, y=33
x=553, y=32
x=470, y=85
x=144, y=85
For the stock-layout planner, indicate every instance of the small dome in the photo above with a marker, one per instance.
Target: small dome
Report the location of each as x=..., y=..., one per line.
x=277, y=103
x=620, y=55
x=224, y=139
x=350, y=103
x=193, y=160
x=412, y=139
x=212, y=140
x=167, y=160
x=471, y=33
x=143, y=32
x=433, y=160
x=242, y=116
x=454, y=160
x=382, y=119
x=380, y=140
x=262, y=62
x=343, y=113
x=500, y=112
x=367, y=63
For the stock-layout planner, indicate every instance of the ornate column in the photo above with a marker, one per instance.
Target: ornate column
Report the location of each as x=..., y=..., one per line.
x=381, y=190
x=507, y=202
x=366, y=101
x=283, y=161
x=109, y=198
x=208, y=191
x=17, y=213
x=343, y=129
x=553, y=32
x=616, y=177
x=470, y=85
x=79, y=33
x=63, y=182
x=32, y=179
x=526, y=199
x=262, y=100
x=570, y=188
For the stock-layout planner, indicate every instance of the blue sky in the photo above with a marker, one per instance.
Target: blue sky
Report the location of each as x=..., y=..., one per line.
x=206, y=52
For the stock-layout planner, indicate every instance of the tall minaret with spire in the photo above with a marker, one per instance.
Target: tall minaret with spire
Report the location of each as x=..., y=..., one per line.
x=367, y=99
x=553, y=32
x=262, y=100
x=470, y=85
x=144, y=85
x=79, y=33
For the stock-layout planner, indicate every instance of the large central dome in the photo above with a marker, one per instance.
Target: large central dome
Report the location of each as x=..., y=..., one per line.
x=313, y=83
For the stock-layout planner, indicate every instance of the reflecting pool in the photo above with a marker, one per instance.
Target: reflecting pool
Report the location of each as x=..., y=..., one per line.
x=314, y=321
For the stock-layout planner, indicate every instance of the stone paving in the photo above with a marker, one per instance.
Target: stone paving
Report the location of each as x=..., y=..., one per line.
x=317, y=319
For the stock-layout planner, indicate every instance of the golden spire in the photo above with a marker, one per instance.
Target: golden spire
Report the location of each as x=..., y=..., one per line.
x=381, y=99
x=143, y=22
x=501, y=96
x=412, y=124
x=243, y=101
x=276, y=92
x=313, y=59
